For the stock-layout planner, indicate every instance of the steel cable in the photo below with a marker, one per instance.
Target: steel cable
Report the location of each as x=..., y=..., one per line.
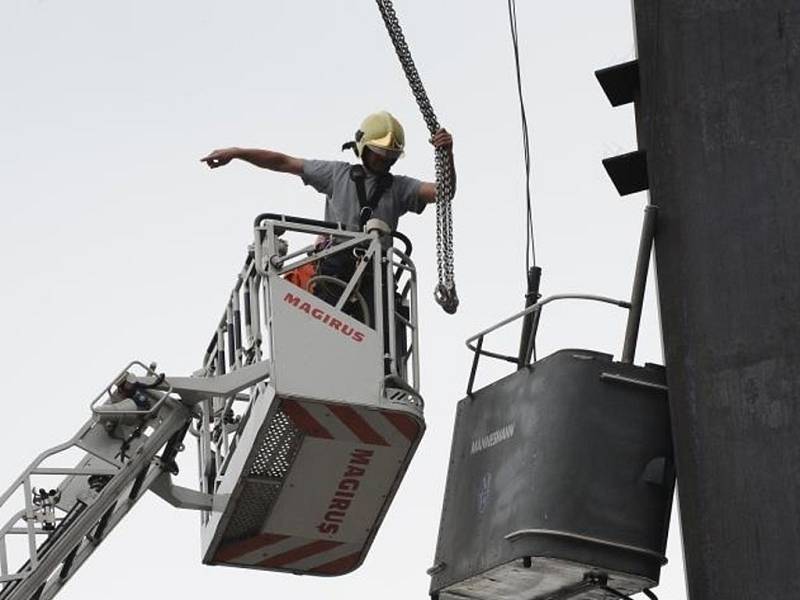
x=530, y=245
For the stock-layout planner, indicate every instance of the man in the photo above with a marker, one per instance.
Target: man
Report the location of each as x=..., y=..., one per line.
x=379, y=143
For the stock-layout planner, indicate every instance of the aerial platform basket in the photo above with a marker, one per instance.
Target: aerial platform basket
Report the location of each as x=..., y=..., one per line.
x=306, y=419
x=561, y=474
x=560, y=484
x=304, y=467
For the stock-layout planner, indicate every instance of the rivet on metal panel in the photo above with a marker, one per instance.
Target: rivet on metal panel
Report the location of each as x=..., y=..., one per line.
x=596, y=578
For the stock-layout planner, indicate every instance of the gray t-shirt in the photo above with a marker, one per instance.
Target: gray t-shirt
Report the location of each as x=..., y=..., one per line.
x=332, y=178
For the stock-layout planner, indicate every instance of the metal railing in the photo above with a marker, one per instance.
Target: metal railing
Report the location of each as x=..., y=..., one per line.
x=475, y=343
x=107, y=396
x=62, y=506
x=634, y=307
x=402, y=274
x=237, y=341
x=394, y=277
x=242, y=335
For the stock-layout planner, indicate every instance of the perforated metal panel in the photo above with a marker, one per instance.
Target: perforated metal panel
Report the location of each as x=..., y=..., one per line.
x=277, y=450
x=252, y=509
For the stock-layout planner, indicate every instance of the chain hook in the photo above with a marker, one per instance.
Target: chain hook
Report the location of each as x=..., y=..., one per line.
x=446, y=297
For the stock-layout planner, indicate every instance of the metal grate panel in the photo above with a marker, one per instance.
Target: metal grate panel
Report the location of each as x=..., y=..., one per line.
x=273, y=458
x=252, y=509
x=277, y=449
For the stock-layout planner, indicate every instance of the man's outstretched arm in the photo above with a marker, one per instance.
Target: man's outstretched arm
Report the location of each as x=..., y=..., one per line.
x=441, y=139
x=266, y=159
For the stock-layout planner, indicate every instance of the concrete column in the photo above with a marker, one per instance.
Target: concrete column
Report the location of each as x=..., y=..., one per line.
x=719, y=117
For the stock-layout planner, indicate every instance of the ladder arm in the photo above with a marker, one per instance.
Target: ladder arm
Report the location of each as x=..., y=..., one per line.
x=64, y=525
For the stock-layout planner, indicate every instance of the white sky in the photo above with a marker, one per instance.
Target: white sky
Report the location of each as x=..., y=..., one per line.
x=116, y=243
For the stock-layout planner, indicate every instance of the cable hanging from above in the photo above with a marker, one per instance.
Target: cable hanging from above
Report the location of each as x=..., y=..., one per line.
x=533, y=274
x=530, y=243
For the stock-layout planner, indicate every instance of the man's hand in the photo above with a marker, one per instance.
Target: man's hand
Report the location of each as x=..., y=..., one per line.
x=260, y=157
x=220, y=158
x=442, y=139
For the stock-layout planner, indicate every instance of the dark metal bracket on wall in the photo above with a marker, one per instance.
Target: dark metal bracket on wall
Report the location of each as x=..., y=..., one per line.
x=620, y=82
x=628, y=172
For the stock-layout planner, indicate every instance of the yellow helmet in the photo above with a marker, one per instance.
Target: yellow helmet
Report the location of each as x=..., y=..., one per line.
x=383, y=134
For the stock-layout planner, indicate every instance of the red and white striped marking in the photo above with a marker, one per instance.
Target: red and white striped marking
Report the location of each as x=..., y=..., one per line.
x=367, y=449
x=281, y=552
x=341, y=422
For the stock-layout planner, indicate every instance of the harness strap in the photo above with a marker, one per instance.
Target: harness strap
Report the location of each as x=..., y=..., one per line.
x=368, y=205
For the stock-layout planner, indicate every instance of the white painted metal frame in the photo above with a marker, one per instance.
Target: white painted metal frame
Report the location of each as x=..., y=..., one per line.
x=120, y=447
x=62, y=532
x=243, y=338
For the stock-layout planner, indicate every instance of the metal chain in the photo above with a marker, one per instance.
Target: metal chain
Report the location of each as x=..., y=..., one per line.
x=445, y=292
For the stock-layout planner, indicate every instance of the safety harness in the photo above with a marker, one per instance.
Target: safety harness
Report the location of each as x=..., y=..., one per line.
x=368, y=204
